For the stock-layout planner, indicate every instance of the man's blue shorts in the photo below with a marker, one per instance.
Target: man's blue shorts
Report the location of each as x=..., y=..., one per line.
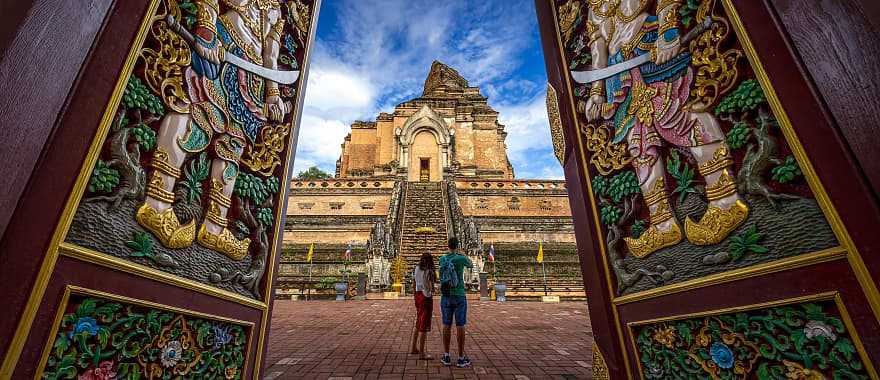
x=453, y=306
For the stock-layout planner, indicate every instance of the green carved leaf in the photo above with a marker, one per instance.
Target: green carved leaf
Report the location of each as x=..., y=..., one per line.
x=738, y=135
x=746, y=97
x=688, y=11
x=684, y=332
x=138, y=96
x=104, y=178
x=264, y=216
x=744, y=242
x=600, y=186
x=845, y=347
x=683, y=174
x=189, y=12
x=813, y=311
x=141, y=244
x=103, y=336
x=637, y=228
x=787, y=171
x=61, y=345
x=623, y=184
x=86, y=308
x=194, y=174
x=145, y=136
x=610, y=214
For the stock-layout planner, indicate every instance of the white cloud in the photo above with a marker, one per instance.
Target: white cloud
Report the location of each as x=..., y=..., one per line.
x=528, y=138
x=333, y=89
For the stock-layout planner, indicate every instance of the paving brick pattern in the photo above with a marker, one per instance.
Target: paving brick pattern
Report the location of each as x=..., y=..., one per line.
x=370, y=340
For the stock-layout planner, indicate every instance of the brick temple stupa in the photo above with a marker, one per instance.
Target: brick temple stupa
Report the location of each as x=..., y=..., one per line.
x=435, y=167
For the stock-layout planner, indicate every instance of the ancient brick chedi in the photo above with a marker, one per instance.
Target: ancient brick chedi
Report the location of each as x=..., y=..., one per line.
x=435, y=167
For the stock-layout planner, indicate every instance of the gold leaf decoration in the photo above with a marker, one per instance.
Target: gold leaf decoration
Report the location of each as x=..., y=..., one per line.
x=715, y=72
x=605, y=155
x=568, y=14
x=266, y=153
x=164, y=67
x=556, y=135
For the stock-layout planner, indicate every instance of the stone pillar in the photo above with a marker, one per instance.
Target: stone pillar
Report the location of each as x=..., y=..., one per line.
x=361, y=286
x=484, y=286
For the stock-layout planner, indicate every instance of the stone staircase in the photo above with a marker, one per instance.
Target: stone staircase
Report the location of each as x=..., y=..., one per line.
x=424, y=223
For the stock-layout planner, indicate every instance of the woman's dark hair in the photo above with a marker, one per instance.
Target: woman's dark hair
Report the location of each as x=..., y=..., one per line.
x=426, y=263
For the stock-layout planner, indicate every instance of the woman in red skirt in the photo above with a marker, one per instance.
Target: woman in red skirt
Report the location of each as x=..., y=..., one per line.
x=424, y=276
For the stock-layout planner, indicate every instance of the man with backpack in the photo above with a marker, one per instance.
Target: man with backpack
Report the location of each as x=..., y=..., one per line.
x=453, y=304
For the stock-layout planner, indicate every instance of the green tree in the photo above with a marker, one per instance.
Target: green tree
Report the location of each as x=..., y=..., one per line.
x=746, y=97
x=313, y=173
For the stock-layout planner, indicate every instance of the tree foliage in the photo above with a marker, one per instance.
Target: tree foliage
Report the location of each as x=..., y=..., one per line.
x=104, y=178
x=746, y=97
x=638, y=228
x=145, y=136
x=622, y=185
x=738, y=135
x=313, y=173
x=787, y=171
x=137, y=95
x=687, y=11
x=249, y=186
x=609, y=214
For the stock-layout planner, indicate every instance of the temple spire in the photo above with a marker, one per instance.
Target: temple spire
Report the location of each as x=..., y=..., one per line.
x=442, y=77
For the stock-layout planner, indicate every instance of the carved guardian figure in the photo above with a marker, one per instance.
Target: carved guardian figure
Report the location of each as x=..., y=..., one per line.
x=646, y=106
x=228, y=108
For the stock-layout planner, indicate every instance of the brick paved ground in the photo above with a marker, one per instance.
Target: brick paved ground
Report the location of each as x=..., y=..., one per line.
x=370, y=340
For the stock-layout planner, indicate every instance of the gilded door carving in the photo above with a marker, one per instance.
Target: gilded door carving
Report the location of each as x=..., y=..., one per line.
x=182, y=193
x=694, y=179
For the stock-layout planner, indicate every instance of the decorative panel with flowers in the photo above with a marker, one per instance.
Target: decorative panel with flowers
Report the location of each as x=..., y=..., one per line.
x=100, y=339
x=802, y=341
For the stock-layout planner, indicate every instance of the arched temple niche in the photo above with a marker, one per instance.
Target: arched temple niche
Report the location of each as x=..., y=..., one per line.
x=424, y=136
x=424, y=154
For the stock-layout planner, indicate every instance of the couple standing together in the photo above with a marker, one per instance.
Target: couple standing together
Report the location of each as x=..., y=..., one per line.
x=453, y=304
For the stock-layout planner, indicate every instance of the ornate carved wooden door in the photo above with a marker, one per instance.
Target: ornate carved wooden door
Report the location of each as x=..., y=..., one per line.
x=723, y=223
x=144, y=244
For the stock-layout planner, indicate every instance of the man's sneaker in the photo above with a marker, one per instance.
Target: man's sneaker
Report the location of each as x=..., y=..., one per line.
x=463, y=362
x=446, y=360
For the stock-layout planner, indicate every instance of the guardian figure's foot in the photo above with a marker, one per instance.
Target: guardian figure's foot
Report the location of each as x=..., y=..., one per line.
x=726, y=210
x=664, y=230
x=166, y=227
x=164, y=224
x=653, y=240
x=225, y=243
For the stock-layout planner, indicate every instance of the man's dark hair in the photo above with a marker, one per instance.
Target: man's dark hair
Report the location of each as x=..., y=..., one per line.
x=453, y=243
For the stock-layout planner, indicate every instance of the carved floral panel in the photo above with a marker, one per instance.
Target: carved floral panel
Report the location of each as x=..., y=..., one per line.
x=100, y=338
x=190, y=176
x=691, y=170
x=803, y=341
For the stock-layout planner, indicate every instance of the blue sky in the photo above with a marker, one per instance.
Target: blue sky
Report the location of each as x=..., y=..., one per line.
x=369, y=56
